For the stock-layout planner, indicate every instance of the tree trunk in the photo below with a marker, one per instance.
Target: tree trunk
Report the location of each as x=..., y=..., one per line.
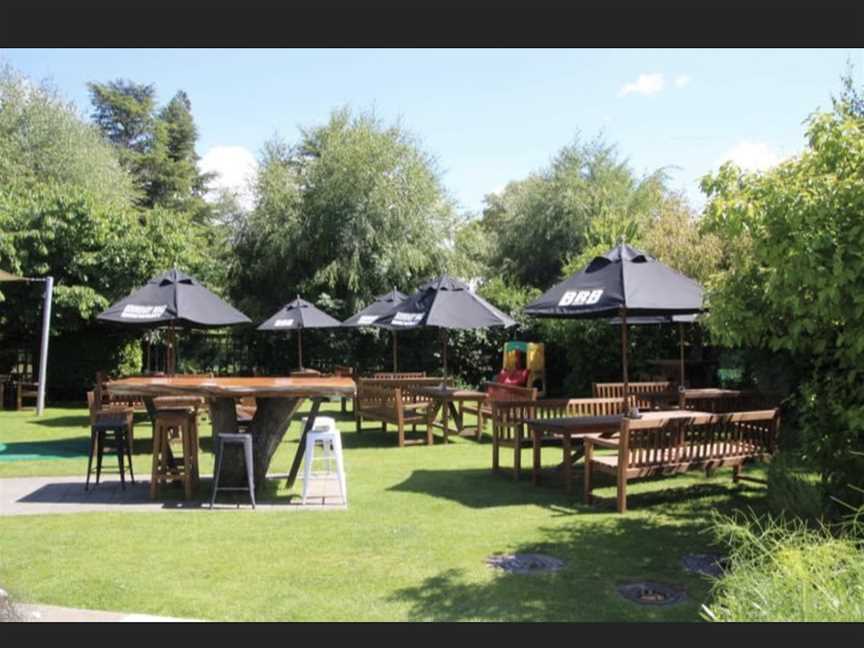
x=268, y=427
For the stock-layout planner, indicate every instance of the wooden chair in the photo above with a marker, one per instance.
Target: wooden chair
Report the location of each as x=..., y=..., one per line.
x=650, y=447
x=616, y=390
x=25, y=390
x=508, y=422
x=390, y=404
x=498, y=392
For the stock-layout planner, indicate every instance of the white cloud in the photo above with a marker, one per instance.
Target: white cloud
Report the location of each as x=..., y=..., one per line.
x=752, y=155
x=236, y=167
x=681, y=80
x=646, y=84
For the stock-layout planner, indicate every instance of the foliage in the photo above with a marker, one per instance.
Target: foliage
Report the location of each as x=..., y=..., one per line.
x=543, y=221
x=43, y=140
x=791, y=279
x=787, y=571
x=794, y=490
x=352, y=210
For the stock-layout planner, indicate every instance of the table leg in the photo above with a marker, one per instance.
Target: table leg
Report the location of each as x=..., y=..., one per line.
x=301, y=446
x=445, y=415
x=535, y=446
x=567, y=446
x=457, y=417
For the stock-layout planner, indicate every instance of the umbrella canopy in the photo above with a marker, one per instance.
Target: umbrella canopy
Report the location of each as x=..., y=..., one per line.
x=624, y=282
x=173, y=299
x=297, y=315
x=369, y=315
x=447, y=303
x=623, y=278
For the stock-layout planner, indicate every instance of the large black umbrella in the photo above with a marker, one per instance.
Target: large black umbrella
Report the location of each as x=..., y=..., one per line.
x=173, y=299
x=624, y=282
x=296, y=316
x=370, y=315
x=447, y=303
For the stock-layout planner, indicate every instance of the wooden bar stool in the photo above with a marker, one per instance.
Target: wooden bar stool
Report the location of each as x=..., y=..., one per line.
x=175, y=428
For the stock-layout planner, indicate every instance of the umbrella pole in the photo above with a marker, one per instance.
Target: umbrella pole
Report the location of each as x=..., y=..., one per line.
x=681, y=341
x=626, y=389
x=393, y=333
x=300, y=348
x=172, y=351
x=444, y=337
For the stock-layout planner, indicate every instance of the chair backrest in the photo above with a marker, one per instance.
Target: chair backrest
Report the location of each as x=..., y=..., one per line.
x=404, y=375
x=501, y=391
x=509, y=415
x=616, y=390
x=702, y=438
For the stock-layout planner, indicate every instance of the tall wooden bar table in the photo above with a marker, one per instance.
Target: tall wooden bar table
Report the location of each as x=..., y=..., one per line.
x=277, y=400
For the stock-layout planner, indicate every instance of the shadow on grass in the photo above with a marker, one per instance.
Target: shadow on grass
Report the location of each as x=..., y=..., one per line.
x=600, y=553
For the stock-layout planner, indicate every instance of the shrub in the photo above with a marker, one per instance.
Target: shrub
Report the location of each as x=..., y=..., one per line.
x=787, y=571
x=793, y=490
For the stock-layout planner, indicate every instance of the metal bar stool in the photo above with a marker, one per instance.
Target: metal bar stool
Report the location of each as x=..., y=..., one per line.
x=170, y=427
x=244, y=440
x=115, y=428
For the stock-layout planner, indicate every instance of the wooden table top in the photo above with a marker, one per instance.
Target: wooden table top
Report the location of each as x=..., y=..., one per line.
x=449, y=393
x=275, y=387
x=592, y=424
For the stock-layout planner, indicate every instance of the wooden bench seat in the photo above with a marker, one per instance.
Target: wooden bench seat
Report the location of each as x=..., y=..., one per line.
x=616, y=390
x=667, y=446
x=393, y=401
x=508, y=421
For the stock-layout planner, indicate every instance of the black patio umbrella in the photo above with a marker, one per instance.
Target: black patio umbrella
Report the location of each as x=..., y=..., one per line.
x=369, y=316
x=173, y=299
x=624, y=282
x=296, y=316
x=447, y=303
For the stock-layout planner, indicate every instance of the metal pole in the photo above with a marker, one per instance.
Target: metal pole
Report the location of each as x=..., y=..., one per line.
x=681, y=340
x=444, y=334
x=43, y=354
x=393, y=333
x=624, y=357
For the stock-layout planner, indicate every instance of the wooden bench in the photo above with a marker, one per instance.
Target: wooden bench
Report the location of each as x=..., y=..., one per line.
x=498, y=392
x=656, y=447
x=28, y=390
x=404, y=375
x=616, y=390
x=508, y=421
x=392, y=404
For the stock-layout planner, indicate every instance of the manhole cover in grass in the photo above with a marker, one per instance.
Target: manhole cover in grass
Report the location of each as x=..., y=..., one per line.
x=525, y=563
x=651, y=593
x=708, y=564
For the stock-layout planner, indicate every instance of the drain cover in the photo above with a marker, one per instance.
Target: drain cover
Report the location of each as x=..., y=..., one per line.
x=651, y=593
x=708, y=564
x=525, y=563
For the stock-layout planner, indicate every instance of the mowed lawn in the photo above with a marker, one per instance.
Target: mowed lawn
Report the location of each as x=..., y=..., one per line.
x=411, y=546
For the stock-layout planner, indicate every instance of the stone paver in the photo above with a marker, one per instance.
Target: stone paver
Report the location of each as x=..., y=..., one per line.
x=56, y=614
x=44, y=495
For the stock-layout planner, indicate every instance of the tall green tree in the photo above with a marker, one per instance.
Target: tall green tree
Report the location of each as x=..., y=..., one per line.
x=352, y=209
x=544, y=221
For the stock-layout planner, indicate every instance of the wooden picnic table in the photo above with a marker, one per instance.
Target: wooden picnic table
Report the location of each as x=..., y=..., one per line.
x=679, y=398
x=572, y=428
x=444, y=399
x=277, y=400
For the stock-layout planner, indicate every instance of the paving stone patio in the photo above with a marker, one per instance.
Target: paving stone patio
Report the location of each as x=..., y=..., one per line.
x=49, y=495
x=56, y=614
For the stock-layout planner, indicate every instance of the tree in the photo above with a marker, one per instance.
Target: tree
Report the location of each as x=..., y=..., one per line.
x=545, y=220
x=354, y=208
x=158, y=149
x=43, y=140
x=792, y=280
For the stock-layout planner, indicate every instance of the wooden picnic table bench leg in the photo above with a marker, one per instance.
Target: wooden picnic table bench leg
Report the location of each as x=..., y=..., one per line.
x=445, y=415
x=567, y=446
x=535, y=445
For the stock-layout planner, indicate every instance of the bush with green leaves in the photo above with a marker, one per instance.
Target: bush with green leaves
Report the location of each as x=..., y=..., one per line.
x=791, y=281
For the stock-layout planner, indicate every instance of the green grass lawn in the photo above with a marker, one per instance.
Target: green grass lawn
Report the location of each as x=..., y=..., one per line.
x=411, y=546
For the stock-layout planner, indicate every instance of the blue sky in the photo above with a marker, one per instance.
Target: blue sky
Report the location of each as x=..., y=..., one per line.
x=488, y=116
